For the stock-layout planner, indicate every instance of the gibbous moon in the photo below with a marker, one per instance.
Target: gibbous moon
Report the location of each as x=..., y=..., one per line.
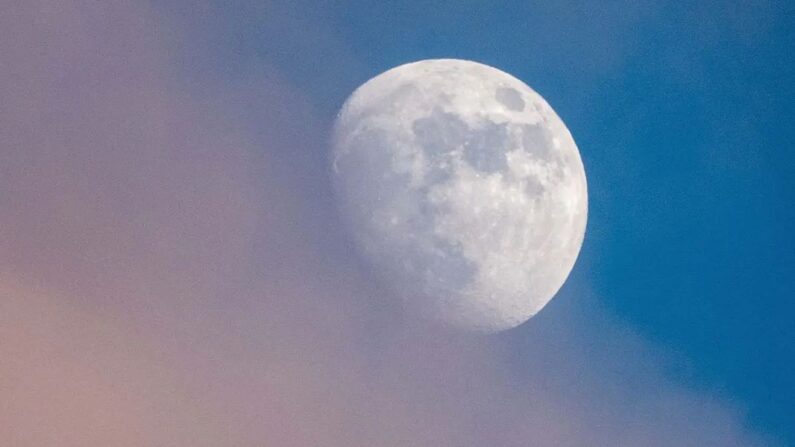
x=463, y=190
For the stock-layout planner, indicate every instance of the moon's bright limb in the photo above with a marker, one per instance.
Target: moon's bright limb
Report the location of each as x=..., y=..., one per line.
x=463, y=189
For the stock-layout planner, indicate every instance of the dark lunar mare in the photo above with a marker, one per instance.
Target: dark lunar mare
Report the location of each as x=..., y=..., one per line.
x=440, y=262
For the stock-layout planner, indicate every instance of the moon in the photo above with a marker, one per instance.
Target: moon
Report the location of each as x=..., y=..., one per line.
x=462, y=189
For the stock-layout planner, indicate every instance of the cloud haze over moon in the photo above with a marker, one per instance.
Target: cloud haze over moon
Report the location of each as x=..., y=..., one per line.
x=170, y=272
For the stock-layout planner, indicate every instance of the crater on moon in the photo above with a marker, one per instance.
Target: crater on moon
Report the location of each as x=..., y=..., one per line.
x=463, y=189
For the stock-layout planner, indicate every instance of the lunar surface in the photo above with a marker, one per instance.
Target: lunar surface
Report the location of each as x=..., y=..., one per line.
x=463, y=190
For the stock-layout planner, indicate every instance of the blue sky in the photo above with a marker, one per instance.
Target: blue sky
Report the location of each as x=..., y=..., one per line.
x=173, y=270
x=683, y=115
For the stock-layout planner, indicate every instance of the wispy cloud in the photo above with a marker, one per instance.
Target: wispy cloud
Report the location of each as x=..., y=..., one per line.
x=168, y=278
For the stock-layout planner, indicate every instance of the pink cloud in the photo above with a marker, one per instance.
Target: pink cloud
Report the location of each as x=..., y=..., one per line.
x=165, y=280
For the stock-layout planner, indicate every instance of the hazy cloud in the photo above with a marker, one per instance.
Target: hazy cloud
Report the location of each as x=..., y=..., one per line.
x=169, y=276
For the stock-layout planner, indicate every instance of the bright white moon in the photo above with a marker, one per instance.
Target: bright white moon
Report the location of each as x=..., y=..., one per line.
x=463, y=189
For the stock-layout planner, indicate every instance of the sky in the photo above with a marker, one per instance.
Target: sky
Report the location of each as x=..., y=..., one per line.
x=173, y=271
